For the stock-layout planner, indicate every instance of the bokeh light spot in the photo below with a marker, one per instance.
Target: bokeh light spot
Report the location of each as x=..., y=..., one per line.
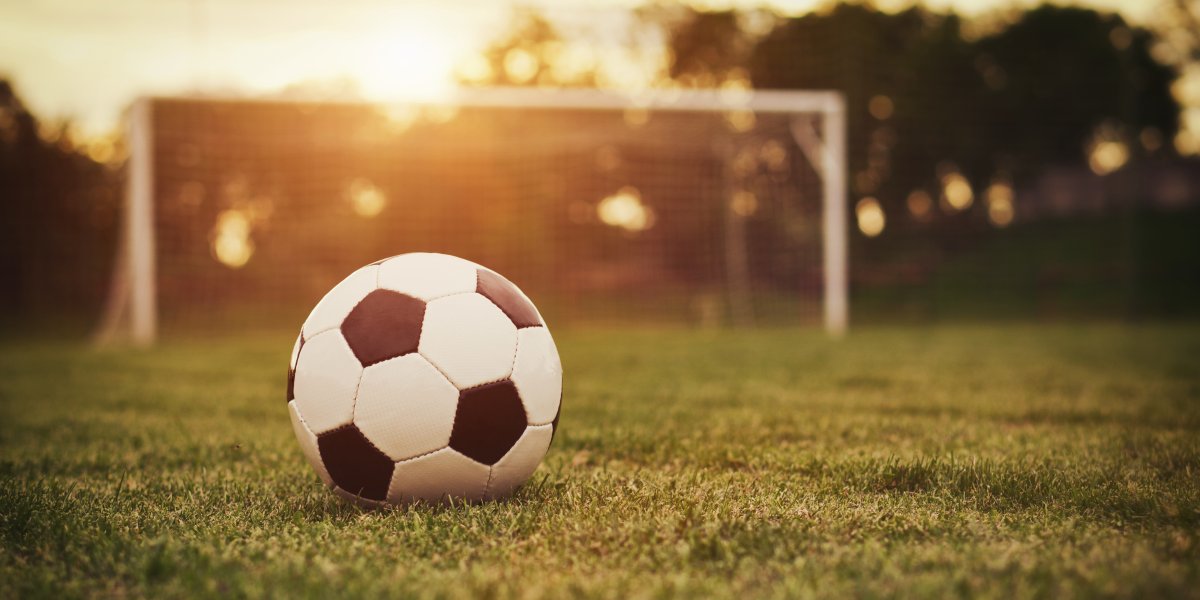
x=440, y=113
x=999, y=197
x=520, y=65
x=956, y=191
x=625, y=209
x=571, y=62
x=400, y=116
x=636, y=116
x=881, y=107
x=920, y=204
x=744, y=203
x=1107, y=151
x=474, y=68
x=740, y=121
x=365, y=198
x=1187, y=143
x=1107, y=156
x=735, y=90
x=231, y=243
x=101, y=150
x=774, y=155
x=871, y=219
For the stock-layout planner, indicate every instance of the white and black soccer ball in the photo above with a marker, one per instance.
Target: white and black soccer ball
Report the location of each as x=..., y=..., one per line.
x=424, y=377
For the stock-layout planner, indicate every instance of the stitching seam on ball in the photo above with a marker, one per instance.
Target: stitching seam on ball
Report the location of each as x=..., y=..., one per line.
x=487, y=383
x=309, y=338
x=300, y=417
x=437, y=368
x=354, y=405
x=421, y=455
x=512, y=367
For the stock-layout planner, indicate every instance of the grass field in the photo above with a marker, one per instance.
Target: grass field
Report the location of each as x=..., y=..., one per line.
x=987, y=461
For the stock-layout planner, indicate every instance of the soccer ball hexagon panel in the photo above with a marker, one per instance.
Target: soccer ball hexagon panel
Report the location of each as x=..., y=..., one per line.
x=424, y=377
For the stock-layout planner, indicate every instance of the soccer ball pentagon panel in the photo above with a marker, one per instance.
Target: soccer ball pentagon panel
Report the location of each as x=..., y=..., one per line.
x=424, y=377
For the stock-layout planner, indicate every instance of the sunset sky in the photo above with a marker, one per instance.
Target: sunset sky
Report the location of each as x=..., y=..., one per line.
x=85, y=61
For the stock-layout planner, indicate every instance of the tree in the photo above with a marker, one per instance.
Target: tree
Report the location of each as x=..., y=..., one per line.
x=527, y=53
x=57, y=217
x=706, y=45
x=1062, y=72
x=924, y=99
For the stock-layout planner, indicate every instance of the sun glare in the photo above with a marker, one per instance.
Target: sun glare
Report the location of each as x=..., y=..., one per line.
x=410, y=63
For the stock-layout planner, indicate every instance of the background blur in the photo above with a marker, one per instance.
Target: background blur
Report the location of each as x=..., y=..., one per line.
x=1007, y=160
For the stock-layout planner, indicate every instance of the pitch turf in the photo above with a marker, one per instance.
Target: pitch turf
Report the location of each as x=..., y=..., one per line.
x=955, y=461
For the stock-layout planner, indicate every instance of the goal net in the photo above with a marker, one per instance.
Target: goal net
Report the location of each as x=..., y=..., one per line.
x=687, y=207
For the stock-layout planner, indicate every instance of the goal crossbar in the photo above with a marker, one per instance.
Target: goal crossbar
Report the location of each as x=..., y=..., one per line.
x=659, y=99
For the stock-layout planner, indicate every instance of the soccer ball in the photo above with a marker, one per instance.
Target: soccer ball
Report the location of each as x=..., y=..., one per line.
x=424, y=377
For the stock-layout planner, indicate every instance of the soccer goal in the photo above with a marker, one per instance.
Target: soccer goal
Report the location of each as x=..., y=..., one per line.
x=668, y=206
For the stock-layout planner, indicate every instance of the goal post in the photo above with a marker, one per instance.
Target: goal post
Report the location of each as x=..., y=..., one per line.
x=131, y=311
x=201, y=161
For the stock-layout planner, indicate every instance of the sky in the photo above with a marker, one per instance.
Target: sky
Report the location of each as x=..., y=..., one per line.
x=86, y=61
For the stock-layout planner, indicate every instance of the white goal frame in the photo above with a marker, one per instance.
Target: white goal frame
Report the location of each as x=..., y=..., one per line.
x=131, y=313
